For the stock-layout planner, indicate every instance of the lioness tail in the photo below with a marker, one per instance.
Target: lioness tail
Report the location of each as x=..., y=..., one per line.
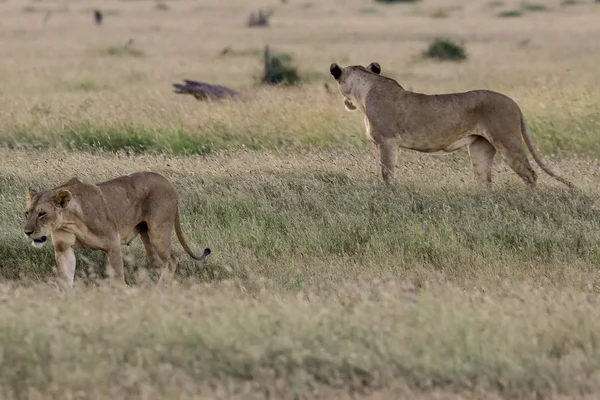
x=536, y=156
x=184, y=243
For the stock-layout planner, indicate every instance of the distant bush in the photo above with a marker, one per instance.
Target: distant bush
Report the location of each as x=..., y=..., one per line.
x=440, y=13
x=495, y=4
x=86, y=85
x=532, y=7
x=510, y=13
x=124, y=51
x=160, y=6
x=279, y=69
x=396, y=1
x=368, y=10
x=445, y=49
x=259, y=18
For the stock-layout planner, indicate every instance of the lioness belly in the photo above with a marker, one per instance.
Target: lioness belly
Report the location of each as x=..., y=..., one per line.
x=457, y=145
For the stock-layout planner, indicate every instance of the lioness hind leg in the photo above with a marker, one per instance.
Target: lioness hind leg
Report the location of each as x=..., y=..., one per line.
x=482, y=156
x=161, y=245
x=516, y=158
x=156, y=261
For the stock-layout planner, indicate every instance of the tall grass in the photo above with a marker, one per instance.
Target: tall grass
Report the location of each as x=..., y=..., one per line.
x=286, y=217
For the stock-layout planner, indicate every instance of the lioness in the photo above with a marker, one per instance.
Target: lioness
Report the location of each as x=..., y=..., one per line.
x=483, y=120
x=105, y=215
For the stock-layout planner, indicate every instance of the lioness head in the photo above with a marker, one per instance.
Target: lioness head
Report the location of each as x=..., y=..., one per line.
x=43, y=213
x=348, y=77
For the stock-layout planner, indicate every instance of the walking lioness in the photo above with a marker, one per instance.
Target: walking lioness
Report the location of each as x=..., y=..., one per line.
x=483, y=120
x=105, y=215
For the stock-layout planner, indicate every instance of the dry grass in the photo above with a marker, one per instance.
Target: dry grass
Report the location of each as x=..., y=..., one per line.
x=323, y=283
x=228, y=341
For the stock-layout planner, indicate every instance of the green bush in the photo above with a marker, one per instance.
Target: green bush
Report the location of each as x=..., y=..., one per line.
x=533, y=7
x=396, y=1
x=281, y=70
x=445, y=49
x=510, y=14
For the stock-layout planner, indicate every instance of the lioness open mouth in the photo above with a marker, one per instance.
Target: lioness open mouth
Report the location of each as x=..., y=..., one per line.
x=40, y=241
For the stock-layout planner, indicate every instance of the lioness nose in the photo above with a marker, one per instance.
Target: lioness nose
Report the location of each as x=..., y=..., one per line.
x=28, y=232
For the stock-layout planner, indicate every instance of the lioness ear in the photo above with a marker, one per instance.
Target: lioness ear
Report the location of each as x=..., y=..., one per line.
x=374, y=68
x=30, y=194
x=62, y=198
x=336, y=71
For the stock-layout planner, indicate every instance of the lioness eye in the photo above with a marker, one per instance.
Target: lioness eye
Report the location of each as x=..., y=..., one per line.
x=41, y=214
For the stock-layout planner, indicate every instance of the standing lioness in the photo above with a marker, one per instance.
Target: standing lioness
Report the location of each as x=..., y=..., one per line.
x=105, y=215
x=483, y=120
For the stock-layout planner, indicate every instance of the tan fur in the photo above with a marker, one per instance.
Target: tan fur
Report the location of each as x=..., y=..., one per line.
x=484, y=121
x=104, y=216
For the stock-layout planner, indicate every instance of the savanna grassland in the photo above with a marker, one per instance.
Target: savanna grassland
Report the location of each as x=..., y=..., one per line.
x=323, y=282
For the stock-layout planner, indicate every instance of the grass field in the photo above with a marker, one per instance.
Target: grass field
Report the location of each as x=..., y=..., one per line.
x=323, y=282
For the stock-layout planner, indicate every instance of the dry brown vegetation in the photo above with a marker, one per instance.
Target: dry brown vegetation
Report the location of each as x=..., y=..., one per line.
x=323, y=282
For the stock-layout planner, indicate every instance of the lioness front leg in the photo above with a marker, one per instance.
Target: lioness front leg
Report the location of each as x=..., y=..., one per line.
x=65, y=262
x=115, y=261
x=388, y=155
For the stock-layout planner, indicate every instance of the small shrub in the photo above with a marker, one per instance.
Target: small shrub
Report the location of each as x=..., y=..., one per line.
x=29, y=9
x=565, y=3
x=281, y=70
x=160, y=6
x=440, y=13
x=510, y=13
x=368, y=10
x=86, y=85
x=533, y=7
x=259, y=18
x=495, y=4
x=396, y=1
x=124, y=51
x=445, y=49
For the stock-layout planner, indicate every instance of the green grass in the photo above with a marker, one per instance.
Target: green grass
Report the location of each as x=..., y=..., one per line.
x=551, y=133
